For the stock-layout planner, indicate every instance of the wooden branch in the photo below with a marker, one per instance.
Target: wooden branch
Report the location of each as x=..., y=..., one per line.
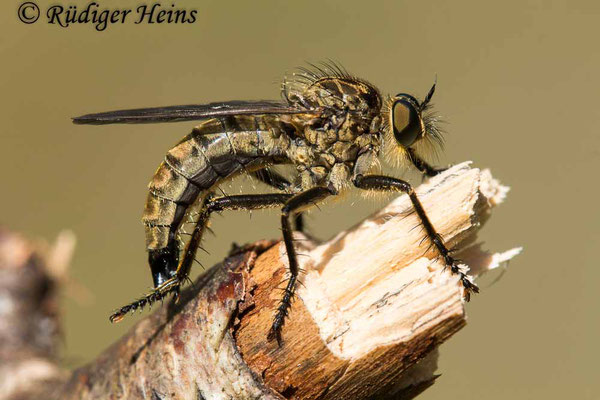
x=375, y=299
x=374, y=305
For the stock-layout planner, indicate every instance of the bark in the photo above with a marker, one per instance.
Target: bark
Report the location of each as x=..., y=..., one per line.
x=373, y=307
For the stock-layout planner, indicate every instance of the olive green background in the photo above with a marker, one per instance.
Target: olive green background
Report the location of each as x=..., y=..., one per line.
x=518, y=83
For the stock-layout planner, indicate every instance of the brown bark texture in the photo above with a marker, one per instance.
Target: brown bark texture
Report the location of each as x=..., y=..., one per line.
x=374, y=304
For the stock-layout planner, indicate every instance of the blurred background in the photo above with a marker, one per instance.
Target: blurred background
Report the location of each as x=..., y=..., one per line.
x=518, y=83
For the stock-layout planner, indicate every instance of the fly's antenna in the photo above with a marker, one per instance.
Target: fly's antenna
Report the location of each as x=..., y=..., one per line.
x=429, y=95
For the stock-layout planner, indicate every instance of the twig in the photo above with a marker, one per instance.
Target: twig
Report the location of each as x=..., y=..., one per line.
x=374, y=305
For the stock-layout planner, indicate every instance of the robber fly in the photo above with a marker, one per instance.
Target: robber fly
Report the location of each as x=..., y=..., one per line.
x=331, y=126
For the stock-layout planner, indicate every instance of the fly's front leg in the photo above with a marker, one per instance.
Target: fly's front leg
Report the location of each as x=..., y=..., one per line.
x=378, y=182
x=296, y=204
x=423, y=166
x=210, y=205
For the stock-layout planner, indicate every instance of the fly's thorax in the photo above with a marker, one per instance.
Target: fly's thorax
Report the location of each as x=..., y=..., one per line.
x=341, y=93
x=332, y=164
x=348, y=126
x=337, y=177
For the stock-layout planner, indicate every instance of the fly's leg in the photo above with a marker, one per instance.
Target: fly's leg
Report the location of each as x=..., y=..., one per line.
x=423, y=166
x=294, y=205
x=210, y=205
x=275, y=180
x=159, y=293
x=299, y=222
x=378, y=182
x=240, y=202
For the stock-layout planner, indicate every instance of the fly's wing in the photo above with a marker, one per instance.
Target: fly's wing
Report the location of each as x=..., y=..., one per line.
x=188, y=112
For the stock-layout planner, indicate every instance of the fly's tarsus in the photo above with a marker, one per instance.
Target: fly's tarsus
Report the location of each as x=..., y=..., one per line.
x=160, y=293
x=283, y=311
x=466, y=281
x=454, y=264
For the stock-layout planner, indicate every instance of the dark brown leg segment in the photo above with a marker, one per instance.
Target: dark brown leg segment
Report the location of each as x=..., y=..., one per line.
x=296, y=204
x=378, y=182
x=275, y=180
x=240, y=202
x=423, y=166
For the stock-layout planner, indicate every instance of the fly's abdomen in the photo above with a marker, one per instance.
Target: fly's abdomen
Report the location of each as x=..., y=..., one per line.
x=213, y=152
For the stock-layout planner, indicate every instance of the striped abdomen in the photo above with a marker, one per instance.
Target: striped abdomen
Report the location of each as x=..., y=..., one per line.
x=215, y=150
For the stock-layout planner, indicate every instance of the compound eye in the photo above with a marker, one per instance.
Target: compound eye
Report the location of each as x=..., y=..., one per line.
x=406, y=121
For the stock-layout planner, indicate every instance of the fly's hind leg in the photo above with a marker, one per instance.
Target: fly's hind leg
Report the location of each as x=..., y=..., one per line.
x=159, y=293
x=210, y=205
x=378, y=182
x=275, y=180
x=294, y=205
x=239, y=202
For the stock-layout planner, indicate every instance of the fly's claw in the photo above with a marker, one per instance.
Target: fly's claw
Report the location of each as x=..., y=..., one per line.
x=469, y=287
x=282, y=313
x=437, y=170
x=467, y=281
x=275, y=331
x=151, y=298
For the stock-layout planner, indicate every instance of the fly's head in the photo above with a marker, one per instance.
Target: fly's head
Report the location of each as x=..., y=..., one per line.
x=410, y=124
